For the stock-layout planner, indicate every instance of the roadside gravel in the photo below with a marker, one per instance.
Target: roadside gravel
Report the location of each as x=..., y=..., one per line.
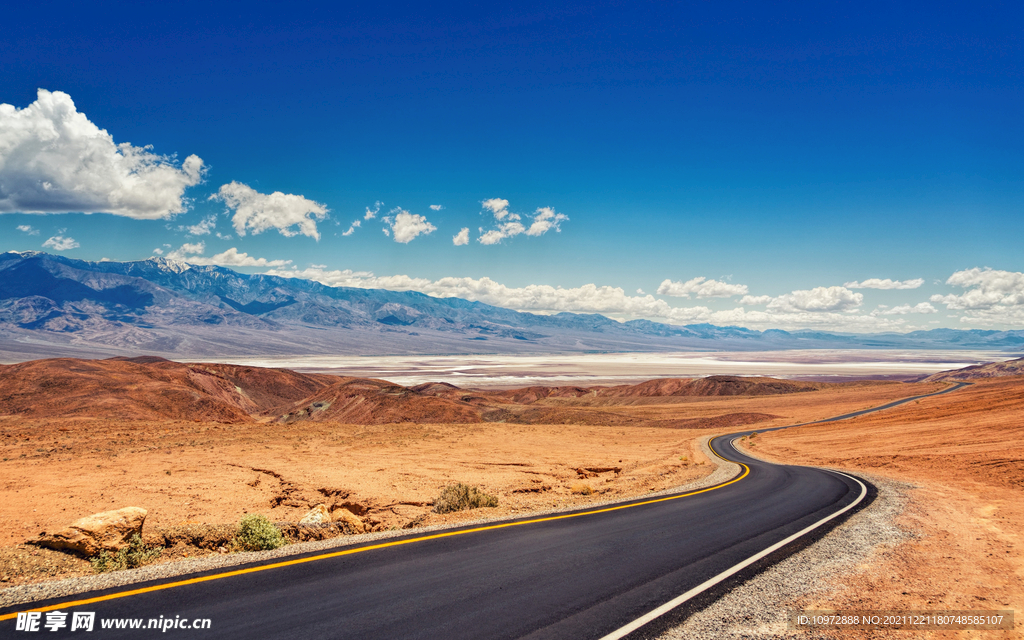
x=70, y=586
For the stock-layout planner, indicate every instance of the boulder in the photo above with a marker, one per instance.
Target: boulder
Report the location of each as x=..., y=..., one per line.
x=347, y=517
x=317, y=515
x=104, y=531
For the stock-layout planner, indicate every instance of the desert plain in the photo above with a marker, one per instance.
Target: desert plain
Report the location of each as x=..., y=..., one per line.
x=200, y=445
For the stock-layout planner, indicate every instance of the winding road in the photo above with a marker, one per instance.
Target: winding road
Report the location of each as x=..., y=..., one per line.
x=628, y=569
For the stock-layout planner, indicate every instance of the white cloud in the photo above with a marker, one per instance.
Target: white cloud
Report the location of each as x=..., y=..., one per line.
x=29, y=229
x=461, y=238
x=54, y=160
x=258, y=212
x=591, y=298
x=702, y=288
x=352, y=228
x=993, y=297
x=370, y=215
x=406, y=226
x=545, y=220
x=506, y=230
x=60, y=243
x=876, y=283
x=818, y=299
x=499, y=207
x=192, y=253
x=510, y=225
x=641, y=292
x=185, y=250
x=987, y=288
x=904, y=309
x=158, y=251
x=201, y=228
x=755, y=300
x=437, y=207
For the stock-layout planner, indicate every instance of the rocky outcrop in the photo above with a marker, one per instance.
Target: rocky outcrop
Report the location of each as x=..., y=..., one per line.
x=105, y=531
x=350, y=519
x=317, y=515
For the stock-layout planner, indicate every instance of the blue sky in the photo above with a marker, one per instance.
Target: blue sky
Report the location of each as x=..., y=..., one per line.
x=786, y=156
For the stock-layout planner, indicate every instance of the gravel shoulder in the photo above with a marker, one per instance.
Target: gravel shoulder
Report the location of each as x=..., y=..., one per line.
x=759, y=607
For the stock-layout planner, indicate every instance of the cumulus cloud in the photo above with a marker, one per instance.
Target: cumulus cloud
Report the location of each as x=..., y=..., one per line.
x=201, y=228
x=499, y=207
x=187, y=249
x=352, y=228
x=192, y=253
x=986, y=288
x=29, y=229
x=461, y=238
x=371, y=214
x=827, y=299
x=406, y=226
x=158, y=251
x=506, y=230
x=54, y=160
x=545, y=219
x=436, y=207
x=876, y=283
x=510, y=224
x=257, y=212
x=993, y=297
x=702, y=288
x=60, y=243
x=755, y=300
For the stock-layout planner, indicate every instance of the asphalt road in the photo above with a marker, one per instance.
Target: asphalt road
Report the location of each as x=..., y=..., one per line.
x=581, y=576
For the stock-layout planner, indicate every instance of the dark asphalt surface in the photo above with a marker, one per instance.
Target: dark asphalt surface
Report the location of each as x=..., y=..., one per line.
x=580, y=577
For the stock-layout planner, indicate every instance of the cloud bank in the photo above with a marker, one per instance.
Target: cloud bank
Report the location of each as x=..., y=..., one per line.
x=822, y=308
x=701, y=287
x=192, y=253
x=54, y=160
x=875, y=283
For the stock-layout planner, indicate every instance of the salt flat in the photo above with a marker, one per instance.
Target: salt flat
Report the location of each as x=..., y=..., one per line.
x=584, y=369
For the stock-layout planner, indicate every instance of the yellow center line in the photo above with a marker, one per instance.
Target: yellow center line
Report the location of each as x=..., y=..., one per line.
x=383, y=545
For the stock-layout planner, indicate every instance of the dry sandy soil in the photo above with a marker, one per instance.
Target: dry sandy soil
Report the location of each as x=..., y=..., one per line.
x=964, y=451
x=620, y=442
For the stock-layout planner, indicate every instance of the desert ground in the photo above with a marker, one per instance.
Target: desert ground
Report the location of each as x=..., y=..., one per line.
x=964, y=453
x=82, y=437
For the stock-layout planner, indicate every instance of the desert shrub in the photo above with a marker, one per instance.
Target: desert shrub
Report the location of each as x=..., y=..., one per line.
x=581, y=488
x=134, y=555
x=257, y=533
x=457, y=497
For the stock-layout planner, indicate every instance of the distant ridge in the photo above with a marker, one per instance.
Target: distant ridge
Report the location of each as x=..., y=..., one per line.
x=56, y=306
x=980, y=371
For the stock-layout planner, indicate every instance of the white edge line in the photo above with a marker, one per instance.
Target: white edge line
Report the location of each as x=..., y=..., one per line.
x=672, y=604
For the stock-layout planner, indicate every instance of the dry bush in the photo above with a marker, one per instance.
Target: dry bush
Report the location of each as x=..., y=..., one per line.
x=457, y=497
x=581, y=488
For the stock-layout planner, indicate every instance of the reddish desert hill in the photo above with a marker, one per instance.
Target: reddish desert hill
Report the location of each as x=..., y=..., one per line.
x=149, y=388
x=710, y=386
x=980, y=371
x=369, y=401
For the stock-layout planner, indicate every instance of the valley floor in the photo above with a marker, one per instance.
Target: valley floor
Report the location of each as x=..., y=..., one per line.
x=209, y=473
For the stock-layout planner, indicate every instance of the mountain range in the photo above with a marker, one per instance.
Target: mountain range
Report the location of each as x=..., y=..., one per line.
x=51, y=305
